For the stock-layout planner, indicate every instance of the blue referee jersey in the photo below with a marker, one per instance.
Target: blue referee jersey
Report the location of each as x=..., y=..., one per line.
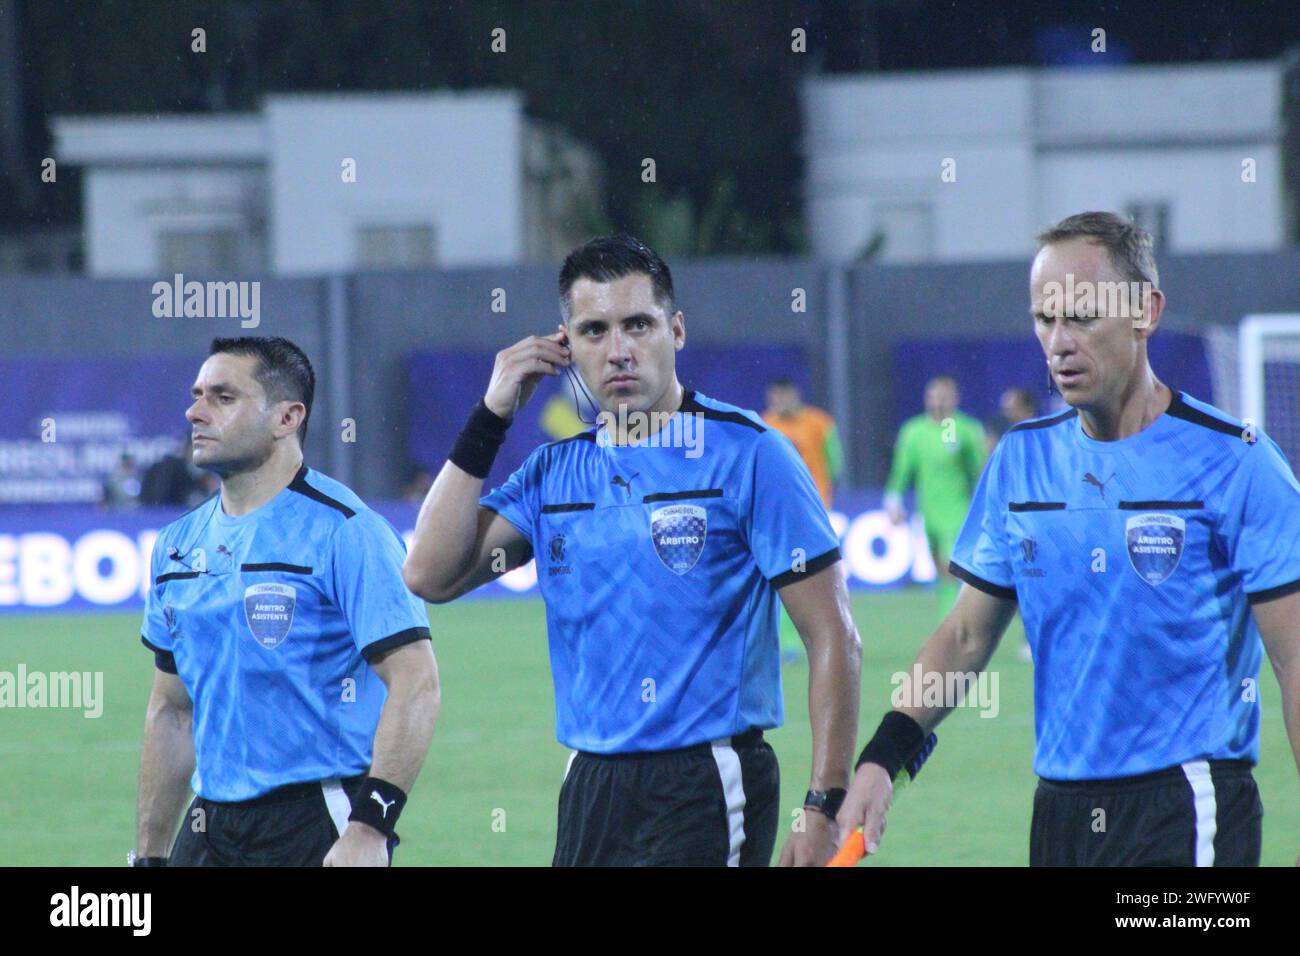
x=660, y=567
x=269, y=620
x=1135, y=563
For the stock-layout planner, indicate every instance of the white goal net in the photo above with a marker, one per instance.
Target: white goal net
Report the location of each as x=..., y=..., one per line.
x=1266, y=390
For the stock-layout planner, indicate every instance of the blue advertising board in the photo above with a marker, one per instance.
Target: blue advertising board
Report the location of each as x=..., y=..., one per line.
x=86, y=559
x=68, y=422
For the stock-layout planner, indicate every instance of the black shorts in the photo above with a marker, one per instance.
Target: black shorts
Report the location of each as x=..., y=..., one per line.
x=714, y=804
x=291, y=826
x=1202, y=813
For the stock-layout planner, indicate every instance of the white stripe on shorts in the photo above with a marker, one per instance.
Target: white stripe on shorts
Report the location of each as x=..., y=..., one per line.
x=336, y=799
x=568, y=766
x=733, y=789
x=1198, y=775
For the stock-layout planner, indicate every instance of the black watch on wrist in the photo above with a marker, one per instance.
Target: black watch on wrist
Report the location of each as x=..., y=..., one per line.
x=825, y=802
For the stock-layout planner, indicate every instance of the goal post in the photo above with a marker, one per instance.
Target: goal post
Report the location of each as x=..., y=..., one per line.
x=1268, y=376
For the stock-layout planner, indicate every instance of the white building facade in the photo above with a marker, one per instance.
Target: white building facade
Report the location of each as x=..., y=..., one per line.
x=316, y=184
x=970, y=165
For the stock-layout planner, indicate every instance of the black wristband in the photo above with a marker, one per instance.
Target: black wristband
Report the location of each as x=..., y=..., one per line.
x=479, y=441
x=898, y=743
x=378, y=804
x=135, y=861
x=825, y=802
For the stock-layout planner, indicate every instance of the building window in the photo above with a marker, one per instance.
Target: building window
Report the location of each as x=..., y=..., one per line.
x=212, y=251
x=1153, y=216
x=395, y=247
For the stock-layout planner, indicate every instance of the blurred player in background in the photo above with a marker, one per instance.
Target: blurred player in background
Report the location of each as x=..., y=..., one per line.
x=174, y=480
x=1150, y=542
x=941, y=452
x=663, y=539
x=1015, y=406
x=120, y=490
x=811, y=431
x=817, y=440
x=295, y=687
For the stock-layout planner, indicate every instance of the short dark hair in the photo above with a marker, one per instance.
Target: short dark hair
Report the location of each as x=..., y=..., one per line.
x=607, y=258
x=1129, y=246
x=782, y=382
x=283, y=370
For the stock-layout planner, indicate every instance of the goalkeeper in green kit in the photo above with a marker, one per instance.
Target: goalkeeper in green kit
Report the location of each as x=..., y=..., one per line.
x=943, y=452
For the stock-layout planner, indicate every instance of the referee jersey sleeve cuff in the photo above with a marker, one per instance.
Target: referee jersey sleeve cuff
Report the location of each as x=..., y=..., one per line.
x=372, y=652
x=977, y=582
x=527, y=534
x=809, y=569
x=165, y=661
x=1272, y=594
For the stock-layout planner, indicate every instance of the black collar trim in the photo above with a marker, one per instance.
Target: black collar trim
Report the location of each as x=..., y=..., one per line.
x=299, y=484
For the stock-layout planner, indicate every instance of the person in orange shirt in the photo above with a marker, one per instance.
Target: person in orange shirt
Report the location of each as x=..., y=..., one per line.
x=811, y=431
x=814, y=436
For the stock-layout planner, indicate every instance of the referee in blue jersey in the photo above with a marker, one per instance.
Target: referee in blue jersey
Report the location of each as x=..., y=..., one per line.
x=664, y=539
x=295, y=689
x=1150, y=541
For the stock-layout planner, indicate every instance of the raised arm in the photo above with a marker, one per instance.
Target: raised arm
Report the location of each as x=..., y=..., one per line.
x=458, y=545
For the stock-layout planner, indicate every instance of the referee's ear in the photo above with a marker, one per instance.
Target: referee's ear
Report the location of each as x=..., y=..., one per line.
x=291, y=419
x=1152, y=304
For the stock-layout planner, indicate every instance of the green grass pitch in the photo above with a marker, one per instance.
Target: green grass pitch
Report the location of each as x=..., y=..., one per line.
x=488, y=790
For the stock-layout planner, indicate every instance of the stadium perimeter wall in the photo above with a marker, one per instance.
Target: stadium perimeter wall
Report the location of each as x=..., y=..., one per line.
x=359, y=328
